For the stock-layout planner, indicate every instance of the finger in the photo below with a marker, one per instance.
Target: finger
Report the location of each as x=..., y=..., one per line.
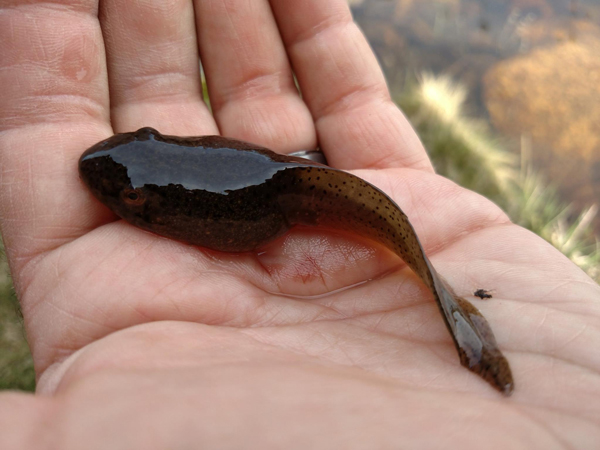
x=53, y=104
x=357, y=123
x=251, y=85
x=153, y=67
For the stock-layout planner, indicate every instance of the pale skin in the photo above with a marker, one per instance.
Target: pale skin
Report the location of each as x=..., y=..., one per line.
x=144, y=342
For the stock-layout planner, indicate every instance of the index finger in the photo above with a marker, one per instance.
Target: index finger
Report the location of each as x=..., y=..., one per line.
x=357, y=123
x=53, y=104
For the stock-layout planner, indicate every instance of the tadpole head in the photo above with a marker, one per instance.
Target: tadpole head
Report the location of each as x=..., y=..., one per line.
x=105, y=172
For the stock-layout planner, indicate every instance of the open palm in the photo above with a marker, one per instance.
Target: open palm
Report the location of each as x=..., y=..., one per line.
x=172, y=346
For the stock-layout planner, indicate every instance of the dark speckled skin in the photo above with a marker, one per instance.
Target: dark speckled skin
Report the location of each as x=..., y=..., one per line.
x=234, y=196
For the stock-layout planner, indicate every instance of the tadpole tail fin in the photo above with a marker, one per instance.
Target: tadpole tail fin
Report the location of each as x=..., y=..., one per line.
x=474, y=339
x=481, y=354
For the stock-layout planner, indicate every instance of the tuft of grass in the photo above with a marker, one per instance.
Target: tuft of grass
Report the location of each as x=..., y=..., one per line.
x=464, y=150
x=460, y=147
x=16, y=364
x=536, y=206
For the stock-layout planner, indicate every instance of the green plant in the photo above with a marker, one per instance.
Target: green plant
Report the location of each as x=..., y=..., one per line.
x=16, y=364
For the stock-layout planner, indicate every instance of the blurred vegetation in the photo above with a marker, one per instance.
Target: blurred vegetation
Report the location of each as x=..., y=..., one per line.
x=464, y=150
x=16, y=365
x=461, y=148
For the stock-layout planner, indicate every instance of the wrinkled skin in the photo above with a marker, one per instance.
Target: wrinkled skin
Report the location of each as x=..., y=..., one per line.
x=172, y=346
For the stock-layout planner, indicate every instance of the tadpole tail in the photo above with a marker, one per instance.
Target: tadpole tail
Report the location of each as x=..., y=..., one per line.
x=474, y=339
x=322, y=196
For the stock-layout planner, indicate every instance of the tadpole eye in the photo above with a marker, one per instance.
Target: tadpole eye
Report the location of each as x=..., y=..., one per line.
x=133, y=196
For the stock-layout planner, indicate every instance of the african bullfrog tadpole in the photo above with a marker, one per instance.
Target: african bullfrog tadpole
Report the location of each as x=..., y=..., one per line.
x=233, y=196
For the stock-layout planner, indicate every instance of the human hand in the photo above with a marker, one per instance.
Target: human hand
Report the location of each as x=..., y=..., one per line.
x=144, y=342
